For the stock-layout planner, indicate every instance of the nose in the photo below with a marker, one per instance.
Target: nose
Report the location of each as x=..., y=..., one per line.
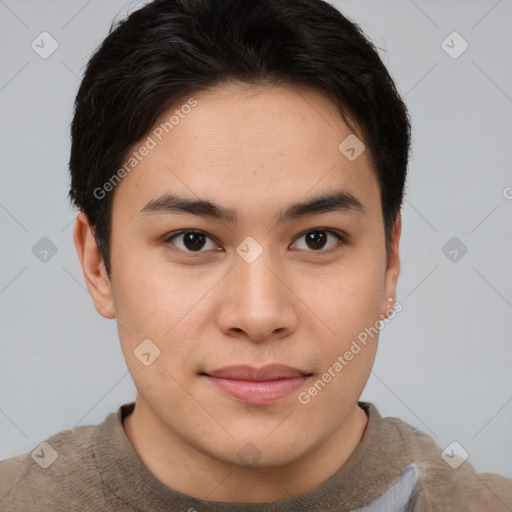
x=258, y=302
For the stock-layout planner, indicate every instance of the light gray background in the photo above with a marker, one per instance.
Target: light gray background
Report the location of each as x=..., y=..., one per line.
x=444, y=363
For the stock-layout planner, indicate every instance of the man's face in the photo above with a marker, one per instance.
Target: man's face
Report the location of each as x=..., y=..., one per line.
x=254, y=289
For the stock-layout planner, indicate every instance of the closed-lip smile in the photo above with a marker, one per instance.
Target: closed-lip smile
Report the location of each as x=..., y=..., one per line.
x=257, y=386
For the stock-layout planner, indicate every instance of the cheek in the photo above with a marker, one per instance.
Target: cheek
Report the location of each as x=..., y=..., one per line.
x=352, y=299
x=351, y=305
x=146, y=293
x=153, y=303
x=338, y=385
x=347, y=359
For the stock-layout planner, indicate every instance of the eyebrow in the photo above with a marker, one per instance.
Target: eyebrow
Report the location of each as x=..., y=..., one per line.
x=341, y=201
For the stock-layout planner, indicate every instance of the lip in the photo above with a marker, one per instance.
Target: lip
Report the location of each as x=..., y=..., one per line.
x=257, y=386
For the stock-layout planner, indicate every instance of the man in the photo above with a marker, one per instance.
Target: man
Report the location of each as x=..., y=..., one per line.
x=239, y=169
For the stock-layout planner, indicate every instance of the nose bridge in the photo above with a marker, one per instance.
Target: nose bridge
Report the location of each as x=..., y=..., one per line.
x=257, y=273
x=257, y=303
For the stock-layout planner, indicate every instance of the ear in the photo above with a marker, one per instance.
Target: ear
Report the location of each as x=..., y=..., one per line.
x=93, y=267
x=393, y=270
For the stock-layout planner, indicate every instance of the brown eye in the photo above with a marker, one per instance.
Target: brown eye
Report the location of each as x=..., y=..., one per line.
x=316, y=239
x=192, y=241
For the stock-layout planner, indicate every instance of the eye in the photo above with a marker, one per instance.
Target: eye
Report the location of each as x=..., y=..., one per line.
x=193, y=241
x=316, y=239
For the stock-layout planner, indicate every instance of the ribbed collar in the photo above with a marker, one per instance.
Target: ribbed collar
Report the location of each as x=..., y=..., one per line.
x=372, y=468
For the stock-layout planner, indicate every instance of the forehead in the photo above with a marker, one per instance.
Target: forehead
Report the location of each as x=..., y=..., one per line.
x=250, y=147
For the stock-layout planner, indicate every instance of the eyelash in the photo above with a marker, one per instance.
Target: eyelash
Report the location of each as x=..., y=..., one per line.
x=341, y=240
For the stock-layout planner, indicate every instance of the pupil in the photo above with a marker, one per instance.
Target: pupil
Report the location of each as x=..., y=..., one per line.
x=317, y=238
x=193, y=239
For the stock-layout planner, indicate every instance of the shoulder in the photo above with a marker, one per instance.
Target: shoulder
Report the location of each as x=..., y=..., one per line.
x=61, y=469
x=448, y=481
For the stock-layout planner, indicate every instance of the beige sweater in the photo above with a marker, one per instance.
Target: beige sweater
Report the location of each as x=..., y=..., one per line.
x=395, y=468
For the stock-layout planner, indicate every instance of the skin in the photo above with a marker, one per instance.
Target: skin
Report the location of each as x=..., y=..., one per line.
x=256, y=149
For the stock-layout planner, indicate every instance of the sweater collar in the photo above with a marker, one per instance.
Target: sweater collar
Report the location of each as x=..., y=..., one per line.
x=373, y=467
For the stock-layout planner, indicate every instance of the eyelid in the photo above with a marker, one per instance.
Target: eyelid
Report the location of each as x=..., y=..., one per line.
x=336, y=232
x=167, y=239
x=341, y=237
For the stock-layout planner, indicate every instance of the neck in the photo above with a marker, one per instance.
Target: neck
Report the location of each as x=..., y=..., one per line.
x=196, y=474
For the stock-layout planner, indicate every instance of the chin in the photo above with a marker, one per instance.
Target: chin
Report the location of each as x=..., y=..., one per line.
x=258, y=451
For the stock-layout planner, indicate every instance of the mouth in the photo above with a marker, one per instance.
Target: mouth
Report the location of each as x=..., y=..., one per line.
x=257, y=386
